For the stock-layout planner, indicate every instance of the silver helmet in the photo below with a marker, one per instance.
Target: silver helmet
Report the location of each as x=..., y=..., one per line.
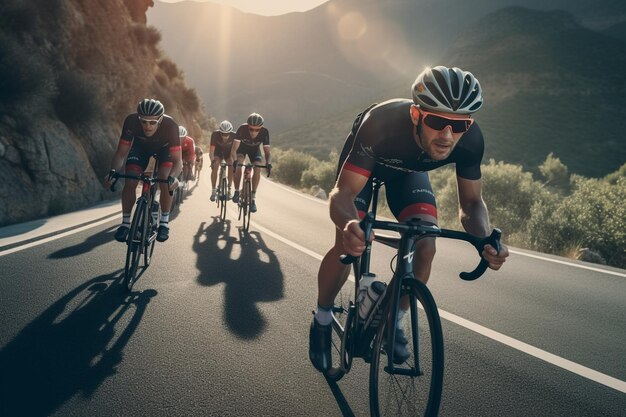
x=150, y=107
x=449, y=90
x=226, y=127
x=255, y=119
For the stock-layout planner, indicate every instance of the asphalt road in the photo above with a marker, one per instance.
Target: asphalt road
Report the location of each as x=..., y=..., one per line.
x=218, y=325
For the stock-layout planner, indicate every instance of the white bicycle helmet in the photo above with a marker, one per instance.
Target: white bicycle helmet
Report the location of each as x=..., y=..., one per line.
x=150, y=107
x=255, y=119
x=226, y=127
x=182, y=132
x=449, y=90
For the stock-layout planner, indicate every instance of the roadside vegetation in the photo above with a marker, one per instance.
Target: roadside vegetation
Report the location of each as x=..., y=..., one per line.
x=557, y=212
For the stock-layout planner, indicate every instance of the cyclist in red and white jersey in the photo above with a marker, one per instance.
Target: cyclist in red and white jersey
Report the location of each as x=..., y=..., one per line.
x=188, y=148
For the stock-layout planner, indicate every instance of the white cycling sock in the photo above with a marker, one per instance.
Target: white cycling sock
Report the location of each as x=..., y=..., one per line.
x=126, y=219
x=324, y=315
x=165, y=219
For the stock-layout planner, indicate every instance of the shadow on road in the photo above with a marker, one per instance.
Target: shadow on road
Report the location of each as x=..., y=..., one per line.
x=346, y=411
x=249, y=269
x=102, y=238
x=71, y=348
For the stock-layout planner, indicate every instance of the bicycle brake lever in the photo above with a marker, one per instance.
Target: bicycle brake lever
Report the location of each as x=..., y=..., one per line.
x=493, y=240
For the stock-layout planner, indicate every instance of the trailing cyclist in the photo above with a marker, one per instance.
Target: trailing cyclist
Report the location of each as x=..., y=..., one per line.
x=220, y=149
x=188, y=147
x=198, y=163
x=397, y=142
x=147, y=132
x=248, y=140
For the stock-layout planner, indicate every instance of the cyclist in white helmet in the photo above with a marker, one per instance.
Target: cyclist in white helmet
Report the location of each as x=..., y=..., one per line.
x=398, y=142
x=220, y=149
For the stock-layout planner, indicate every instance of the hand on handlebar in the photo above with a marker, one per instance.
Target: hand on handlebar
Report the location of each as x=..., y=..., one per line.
x=172, y=183
x=354, y=238
x=494, y=257
x=268, y=169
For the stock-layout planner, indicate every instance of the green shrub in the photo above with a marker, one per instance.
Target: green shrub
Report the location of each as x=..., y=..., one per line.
x=320, y=173
x=593, y=216
x=289, y=166
x=555, y=173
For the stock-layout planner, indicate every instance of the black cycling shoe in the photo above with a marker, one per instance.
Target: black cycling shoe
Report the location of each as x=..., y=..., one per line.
x=122, y=233
x=319, y=346
x=163, y=234
x=253, y=207
x=400, y=348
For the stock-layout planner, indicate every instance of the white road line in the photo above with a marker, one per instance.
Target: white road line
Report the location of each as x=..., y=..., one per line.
x=562, y=363
x=590, y=268
x=59, y=236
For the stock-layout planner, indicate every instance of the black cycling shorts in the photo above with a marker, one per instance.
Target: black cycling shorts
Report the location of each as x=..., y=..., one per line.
x=253, y=152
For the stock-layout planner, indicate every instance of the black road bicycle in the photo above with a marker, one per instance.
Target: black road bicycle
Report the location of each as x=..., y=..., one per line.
x=143, y=227
x=397, y=387
x=245, y=198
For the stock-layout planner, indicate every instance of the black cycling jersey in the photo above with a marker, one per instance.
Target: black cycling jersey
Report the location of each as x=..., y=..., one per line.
x=243, y=135
x=385, y=140
x=222, y=147
x=163, y=143
x=381, y=145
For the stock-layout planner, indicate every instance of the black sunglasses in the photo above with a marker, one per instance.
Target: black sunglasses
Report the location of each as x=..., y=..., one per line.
x=439, y=122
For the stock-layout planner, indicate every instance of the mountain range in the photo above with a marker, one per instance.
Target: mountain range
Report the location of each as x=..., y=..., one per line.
x=551, y=71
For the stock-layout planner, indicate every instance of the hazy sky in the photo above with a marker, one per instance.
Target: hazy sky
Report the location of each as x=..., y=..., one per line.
x=266, y=7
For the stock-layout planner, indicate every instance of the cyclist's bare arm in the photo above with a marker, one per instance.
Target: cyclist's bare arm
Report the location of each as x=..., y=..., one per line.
x=233, y=151
x=268, y=154
x=119, y=157
x=474, y=217
x=343, y=211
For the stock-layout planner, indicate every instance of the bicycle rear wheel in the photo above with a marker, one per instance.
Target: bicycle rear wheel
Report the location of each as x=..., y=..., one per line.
x=247, y=202
x=344, y=315
x=414, y=387
x=135, y=244
x=223, y=198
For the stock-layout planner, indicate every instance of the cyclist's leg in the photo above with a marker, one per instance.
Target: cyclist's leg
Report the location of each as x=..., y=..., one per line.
x=164, y=169
x=332, y=275
x=215, y=167
x=412, y=197
x=136, y=163
x=238, y=172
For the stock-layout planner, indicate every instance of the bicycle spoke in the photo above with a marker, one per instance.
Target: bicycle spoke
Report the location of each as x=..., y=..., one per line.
x=400, y=391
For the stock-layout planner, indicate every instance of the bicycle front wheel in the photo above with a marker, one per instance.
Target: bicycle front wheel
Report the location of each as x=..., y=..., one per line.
x=223, y=198
x=135, y=244
x=413, y=387
x=247, y=202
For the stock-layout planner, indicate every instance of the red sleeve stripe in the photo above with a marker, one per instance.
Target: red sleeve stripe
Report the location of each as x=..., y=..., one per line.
x=125, y=141
x=175, y=148
x=425, y=211
x=357, y=169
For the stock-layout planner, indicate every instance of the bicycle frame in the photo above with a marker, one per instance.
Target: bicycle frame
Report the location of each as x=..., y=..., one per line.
x=410, y=232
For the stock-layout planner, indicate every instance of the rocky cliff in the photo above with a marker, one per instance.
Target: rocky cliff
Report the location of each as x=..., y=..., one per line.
x=70, y=71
